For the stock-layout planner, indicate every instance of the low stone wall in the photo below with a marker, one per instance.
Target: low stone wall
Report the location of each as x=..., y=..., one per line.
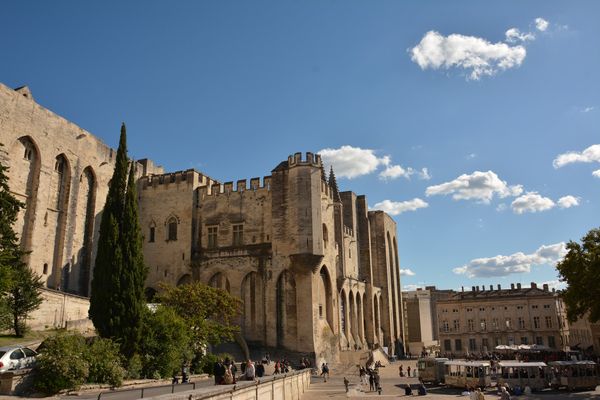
x=281, y=387
x=61, y=310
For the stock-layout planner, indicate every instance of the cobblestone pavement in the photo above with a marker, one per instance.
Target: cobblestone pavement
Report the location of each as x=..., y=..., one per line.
x=391, y=384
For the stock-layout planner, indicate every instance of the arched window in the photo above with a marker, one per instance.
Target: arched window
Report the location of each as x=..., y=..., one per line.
x=152, y=232
x=172, y=225
x=325, y=236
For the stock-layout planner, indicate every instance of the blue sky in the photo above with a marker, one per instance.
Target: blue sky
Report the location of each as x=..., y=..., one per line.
x=385, y=88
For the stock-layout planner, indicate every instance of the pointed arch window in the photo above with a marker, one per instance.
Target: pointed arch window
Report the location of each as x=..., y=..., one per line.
x=172, y=226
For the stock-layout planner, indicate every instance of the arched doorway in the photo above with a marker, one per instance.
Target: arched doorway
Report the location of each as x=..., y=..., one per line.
x=325, y=300
x=220, y=281
x=184, y=280
x=252, y=312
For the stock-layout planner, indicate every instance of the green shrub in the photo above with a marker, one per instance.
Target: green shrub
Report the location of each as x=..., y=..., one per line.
x=134, y=367
x=205, y=363
x=166, y=344
x=62, y=364
x=105, y=363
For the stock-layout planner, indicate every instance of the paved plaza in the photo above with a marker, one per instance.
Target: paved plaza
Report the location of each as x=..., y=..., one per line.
x=392, y=388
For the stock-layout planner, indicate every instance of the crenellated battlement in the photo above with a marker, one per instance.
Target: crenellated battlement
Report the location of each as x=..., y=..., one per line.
x=310, y=159
x=188, y=176
x=241, y=186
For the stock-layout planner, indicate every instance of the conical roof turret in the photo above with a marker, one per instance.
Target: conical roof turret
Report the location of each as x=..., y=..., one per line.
x=334, y=186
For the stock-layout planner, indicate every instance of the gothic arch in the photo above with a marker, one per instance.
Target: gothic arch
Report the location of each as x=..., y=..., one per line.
x=376, y=318
x=220, y=281
x=172, y=223
x=286, y=310
x=325, y=294
x=185, y=279
x=252, y=312
x=84, y=227
x=343, y=313
x=360, y=317
x=393, y=286
x=352, y=306
x=24, y=178
x=59, y=200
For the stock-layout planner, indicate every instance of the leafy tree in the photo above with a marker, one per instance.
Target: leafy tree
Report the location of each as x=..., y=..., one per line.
x=117, y=298
x=581, y=270
x=209, y=312
x=167, y=343
x=19, y=286
x=23, y=296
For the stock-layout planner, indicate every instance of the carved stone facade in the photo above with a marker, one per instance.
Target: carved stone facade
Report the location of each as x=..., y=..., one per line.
x=316, y=270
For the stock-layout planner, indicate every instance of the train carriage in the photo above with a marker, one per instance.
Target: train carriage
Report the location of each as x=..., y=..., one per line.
x=431, y=370
x=466, y=374
x=515, y=373
x=574, y=375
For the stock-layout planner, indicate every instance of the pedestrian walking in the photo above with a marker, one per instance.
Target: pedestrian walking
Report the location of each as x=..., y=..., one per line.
x=371, y=381
x=324, y=371
x=346, y=383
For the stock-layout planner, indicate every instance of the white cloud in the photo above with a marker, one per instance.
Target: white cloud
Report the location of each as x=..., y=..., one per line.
x=396, y=171
x=501, y=207
x=471, y=156
x=588, y=109
x=398, y=207
x=480, y=186
x=596, y=173
x=412, y=287
x=514, y=35
x=513, y=264
x=531, y=202
x=350, y=162
x=591, y=154
x=568, y=201
x=406, y=272
x=555, y=284
x=541, y=24
x=424, y=174
x=476, y=55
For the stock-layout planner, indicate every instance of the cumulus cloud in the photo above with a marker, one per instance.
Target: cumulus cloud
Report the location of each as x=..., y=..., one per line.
x=591, y=154
x=531, y=202
x=588, y=109
x=479, y=186
x=513, y=264
x=396, y=171
x=398, y=207
x=406, y=272
x=596, y=173
x=514, y=35
x=568, y=201
x=476, y=55
x=351, y=162
x=541, y=24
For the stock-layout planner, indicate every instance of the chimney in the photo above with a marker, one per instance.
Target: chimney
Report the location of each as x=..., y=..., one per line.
x=545, y=287
x=499, y=287
x=518, y=285
x=512, y=286
x=472, y=288
x=533, y=285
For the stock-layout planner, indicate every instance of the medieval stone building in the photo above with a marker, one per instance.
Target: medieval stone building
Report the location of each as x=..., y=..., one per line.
x=317, y=271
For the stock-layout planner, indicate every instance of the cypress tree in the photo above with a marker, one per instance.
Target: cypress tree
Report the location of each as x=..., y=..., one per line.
x=134, y=271
x=107, y=309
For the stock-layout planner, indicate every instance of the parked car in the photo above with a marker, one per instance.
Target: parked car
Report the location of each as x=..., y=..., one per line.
x=16, y=357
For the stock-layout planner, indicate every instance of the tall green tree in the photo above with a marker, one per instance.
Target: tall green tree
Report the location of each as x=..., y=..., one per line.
x=134, y=270
x=10, y=251
x=581, y=270
x=117, y=299
x=19, y=286
x=209, y=312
